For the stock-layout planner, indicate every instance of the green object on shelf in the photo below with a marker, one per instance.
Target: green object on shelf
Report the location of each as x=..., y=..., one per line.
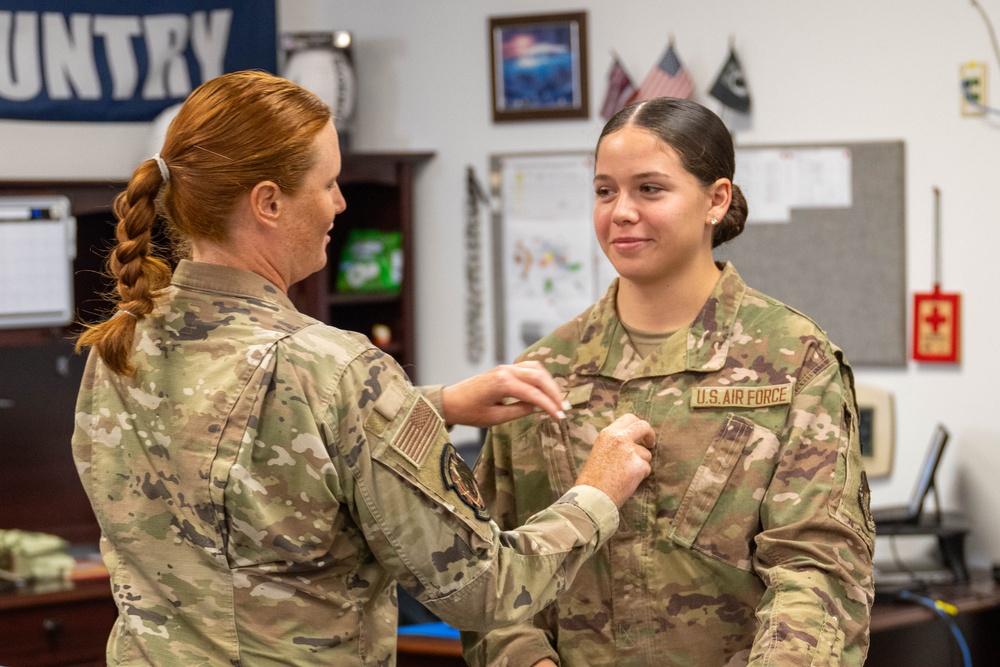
x=372, y=261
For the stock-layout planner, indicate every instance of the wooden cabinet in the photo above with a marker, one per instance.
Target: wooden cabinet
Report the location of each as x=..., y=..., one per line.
x=378, y=188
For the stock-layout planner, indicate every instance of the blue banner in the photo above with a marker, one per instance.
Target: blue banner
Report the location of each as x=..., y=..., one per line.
x=124, y=60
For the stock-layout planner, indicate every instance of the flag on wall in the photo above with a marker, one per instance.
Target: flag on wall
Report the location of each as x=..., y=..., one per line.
x=124, y=60
x=668, y=78
x=730, y=86
x=620, y=90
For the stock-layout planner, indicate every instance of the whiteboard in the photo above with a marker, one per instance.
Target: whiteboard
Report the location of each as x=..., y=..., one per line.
x=549, y=267
x=37, y=249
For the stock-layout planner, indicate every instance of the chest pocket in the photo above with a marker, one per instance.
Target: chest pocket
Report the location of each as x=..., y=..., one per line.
x=720, y=512
x=565, y=444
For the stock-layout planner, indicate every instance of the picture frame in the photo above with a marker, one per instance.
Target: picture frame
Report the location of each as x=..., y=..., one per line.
x=538, y=67
x=876, y=429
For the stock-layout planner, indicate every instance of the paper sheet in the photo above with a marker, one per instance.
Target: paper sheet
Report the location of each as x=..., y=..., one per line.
x=774, y=181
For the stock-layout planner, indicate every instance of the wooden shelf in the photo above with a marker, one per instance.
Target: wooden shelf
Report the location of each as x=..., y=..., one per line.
x=351, y=298
x=378, y=188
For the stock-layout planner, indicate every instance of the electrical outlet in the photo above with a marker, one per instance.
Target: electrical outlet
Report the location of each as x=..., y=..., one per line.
x=972, y=77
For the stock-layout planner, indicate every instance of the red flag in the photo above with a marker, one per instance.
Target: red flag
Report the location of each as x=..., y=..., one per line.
x=620, y=89
x=667, y=79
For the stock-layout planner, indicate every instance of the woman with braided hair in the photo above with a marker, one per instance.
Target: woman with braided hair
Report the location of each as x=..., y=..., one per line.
x=262, y=479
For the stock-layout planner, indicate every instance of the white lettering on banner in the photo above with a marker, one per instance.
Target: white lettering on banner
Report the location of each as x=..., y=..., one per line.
x=209, y=36
x=21, y=75
x=166, y=38
x=68, y=55
x=118, y=32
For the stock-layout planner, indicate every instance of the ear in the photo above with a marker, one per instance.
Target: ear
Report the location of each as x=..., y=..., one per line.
x=720, y=195
x=266, y=203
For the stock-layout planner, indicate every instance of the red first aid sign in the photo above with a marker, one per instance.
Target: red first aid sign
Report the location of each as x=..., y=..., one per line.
x=936, y=326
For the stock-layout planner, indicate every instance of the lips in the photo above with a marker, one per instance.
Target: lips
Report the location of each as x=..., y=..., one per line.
x=627, y=242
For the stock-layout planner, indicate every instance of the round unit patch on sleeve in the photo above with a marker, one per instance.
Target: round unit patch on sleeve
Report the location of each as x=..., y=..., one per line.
x=458, y=478
x=865, y=499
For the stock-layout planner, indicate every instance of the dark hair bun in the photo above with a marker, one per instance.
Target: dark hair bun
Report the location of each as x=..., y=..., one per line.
x=733, y=221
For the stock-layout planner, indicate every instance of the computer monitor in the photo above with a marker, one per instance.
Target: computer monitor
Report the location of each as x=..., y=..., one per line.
x=910, y=513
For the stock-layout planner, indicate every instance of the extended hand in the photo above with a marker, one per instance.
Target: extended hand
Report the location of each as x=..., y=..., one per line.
x=620, y=458
x=483, y=400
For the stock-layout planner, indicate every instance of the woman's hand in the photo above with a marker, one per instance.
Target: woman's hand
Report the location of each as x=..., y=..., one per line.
x=501, y=394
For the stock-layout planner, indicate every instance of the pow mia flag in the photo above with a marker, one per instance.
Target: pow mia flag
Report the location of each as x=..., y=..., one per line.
x=730, y=87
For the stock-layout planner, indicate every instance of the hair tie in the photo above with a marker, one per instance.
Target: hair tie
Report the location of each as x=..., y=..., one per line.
x=127, y=312
x=164, y=171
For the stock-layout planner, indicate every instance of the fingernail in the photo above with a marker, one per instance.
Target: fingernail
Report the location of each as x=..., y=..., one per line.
x=561, y=414
x=567, y=405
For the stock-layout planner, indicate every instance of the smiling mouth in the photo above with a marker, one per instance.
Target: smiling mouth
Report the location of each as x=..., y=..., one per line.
x=627, y=242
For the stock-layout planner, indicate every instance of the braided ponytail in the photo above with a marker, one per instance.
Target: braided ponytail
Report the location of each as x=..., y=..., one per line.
x=232, y=132
x=139, y=275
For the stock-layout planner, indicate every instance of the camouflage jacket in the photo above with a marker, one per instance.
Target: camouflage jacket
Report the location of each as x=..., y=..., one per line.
x=751, y=541
x=265, y=479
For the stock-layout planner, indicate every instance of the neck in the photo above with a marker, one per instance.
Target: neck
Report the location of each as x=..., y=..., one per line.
x=238, y=256
x=667, y=305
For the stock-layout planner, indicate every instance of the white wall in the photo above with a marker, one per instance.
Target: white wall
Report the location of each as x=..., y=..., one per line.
x=818, y=72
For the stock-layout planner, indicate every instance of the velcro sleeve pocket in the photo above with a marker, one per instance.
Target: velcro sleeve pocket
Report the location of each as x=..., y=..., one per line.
x=408, y=437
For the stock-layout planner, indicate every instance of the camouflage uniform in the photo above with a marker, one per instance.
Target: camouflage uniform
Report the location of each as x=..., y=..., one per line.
x=751, y=541
x=264, y=480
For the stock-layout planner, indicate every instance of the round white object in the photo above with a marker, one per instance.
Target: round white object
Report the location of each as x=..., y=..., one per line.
x=158, y=130
x=329, y=74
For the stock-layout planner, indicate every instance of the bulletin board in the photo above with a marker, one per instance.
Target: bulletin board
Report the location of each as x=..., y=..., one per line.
x=826, y=235
x=829, y=239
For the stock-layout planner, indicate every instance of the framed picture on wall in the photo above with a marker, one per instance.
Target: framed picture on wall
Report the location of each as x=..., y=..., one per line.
x=539, y=66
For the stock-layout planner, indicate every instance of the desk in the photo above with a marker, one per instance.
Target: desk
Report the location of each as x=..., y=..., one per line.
x=429, y=645
x=61, y=624
x=420, y=651
x=901, y=634
x=912, y=635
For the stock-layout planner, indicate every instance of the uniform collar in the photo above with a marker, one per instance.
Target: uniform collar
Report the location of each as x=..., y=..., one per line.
x=605, y=348
x=204, y=277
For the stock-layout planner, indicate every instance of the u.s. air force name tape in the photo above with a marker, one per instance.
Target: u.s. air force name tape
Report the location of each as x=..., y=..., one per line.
x=741, y=397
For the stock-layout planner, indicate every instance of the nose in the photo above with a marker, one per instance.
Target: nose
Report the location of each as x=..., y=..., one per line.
x=340, y=204
x=624, y=210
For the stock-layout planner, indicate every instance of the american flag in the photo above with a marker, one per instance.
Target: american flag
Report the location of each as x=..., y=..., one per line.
x=620, y=90
x=667, y=79
x=417, y=435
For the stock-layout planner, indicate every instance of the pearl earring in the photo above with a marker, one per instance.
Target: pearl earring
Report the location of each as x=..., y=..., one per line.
x=715, y=221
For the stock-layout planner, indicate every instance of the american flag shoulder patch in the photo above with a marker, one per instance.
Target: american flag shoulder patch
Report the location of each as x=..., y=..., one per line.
x=418, y=432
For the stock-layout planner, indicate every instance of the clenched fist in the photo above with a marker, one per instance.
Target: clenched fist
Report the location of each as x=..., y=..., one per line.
x=619, y=459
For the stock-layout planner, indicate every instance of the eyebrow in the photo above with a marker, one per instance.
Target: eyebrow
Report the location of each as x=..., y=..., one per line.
x=636, y=177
